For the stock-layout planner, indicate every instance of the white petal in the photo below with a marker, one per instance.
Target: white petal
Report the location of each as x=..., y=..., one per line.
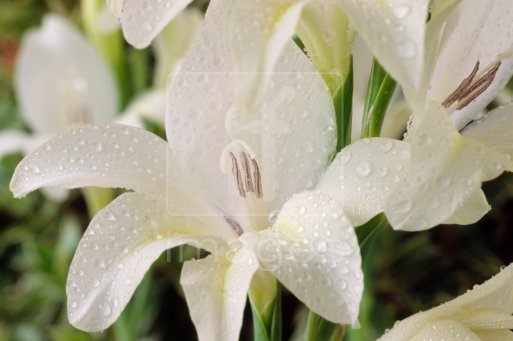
x=273, y=24
x=173, y=42
x=494, y=297
x=215, y=290
x=472, y=210
x=83, y=89
x=495, y=130
x=102, y=156
x=294, y=124
x=394, y=31
x=364, y=174
x=142, y=20
x=312, y=249
x=151, y=104
x=471, y=31
x=446, y=169
x=328, y=38
x=445, y=330
x=116, y=7
x=120, y=244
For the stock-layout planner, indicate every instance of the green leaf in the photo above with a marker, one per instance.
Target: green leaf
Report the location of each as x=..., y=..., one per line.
x=343, y=101
x=267, y=321
x=380, y=90
x=320, y=329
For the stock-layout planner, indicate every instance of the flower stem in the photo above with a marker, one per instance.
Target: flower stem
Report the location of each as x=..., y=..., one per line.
x=343, y=101
x=380, y=90
x=266, y=314
x=96, y=198
x=319, y=329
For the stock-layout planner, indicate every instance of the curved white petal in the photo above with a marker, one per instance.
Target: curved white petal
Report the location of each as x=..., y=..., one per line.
x=116, y=7
x=312, y=249
x=446, y=169
x=61, y=80
x=142, y=20
x=171, y=45
x=273, y=24
x=102, y=156
x=485, y=308
x=394, y=30
x=328, y=38
x=295, y=122
x=472, y=31
x=364, y=174
x=495, y=130
x=472, y=210
x=120, y=244
x=445, y=330
x=215, y=290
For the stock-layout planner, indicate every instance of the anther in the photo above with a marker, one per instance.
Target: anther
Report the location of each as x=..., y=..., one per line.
x=234, y=225
x=236, y=174
x=247, y=172
x=469, y=90
x=258, y=179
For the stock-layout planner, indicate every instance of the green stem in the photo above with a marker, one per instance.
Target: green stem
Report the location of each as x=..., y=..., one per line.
x=380, y=90
x=319, y=329
x=267, y=320
x=97, y=198
x=343, y=101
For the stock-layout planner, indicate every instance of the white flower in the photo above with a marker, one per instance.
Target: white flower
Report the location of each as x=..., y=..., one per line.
x=445, y=170
x=238, y=184
x=466, y=65
x=483, y=313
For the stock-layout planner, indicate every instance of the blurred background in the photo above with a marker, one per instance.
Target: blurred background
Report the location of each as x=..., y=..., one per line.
x=405, y=272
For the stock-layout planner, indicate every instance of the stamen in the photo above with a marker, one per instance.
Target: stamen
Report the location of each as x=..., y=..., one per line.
x=258, y=179
x=236, y=174
x=481, y=85
x=247, y=172
x=468, y=91
x=466, y=82
x=234, y=225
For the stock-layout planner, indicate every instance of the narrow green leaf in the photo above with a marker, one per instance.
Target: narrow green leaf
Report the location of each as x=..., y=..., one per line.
x=319, y=329
x=267, y=323
x=343, y=101
x=380, y=90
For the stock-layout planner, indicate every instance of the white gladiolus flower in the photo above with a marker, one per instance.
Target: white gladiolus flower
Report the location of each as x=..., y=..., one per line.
x=241, y=185
x=483, y=313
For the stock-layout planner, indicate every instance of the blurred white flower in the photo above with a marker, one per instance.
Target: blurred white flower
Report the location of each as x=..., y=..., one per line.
x=238, y=184
x=483, y=313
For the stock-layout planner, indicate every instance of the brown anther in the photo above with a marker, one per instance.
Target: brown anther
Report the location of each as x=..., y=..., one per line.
x=481, y=85
x=247, y=172
x=234, y=225
x=258, y=179
x=469, y=90
x=236, y=174
x=457, y=93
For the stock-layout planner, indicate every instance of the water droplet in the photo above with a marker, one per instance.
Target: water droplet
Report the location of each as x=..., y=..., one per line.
x=96, y=283
x=444, y=181
x=402, y=207
x=363, y=169
x=345, y=156
x=406, y=49
x=106, y=309
x=321, y=246
x=401, y=11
